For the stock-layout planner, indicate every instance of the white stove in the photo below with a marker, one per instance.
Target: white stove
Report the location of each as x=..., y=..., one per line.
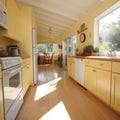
x=9, y=61
x=12, y=86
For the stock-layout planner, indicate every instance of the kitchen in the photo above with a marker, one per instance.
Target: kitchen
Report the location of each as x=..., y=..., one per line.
x=24, y=18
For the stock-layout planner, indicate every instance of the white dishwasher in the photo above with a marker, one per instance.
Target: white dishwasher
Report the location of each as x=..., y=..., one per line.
x=79, y=70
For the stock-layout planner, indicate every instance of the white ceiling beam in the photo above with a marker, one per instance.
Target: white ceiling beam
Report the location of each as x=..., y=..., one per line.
x=47, y=28
x=51, y=9
x=56, y=18
x=54, y=23
x=54, y=27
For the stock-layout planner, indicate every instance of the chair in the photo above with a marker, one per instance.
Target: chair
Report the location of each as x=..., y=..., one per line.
x=46, y=58
x=51, y=58
x=40, y=59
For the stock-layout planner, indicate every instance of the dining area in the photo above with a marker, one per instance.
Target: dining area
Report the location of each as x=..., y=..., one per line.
x=45, y=58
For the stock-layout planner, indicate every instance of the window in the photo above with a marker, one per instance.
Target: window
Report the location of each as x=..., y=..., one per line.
x=107, y=30
x=47, y=48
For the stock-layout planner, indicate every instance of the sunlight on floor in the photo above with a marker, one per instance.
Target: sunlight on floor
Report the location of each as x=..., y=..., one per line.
x=46, y=88
x=58, y=112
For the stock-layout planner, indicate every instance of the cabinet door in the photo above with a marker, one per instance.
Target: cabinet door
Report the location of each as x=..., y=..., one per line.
x=1, y=97
x=90, y=79
x=103, y=85
x=115, y=93
x=2, y=1
x=1, y=102
x=25, y=78
x=69, y=68
x=13, y=14
x=72, y=70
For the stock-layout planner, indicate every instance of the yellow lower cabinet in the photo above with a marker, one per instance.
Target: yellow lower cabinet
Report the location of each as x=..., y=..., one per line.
x=98, y=82
x=90, y=79
x=71, y=67
x=1, y=102
x=115, y=92
x=103, y=85
x=25, y=78
x=72, y=70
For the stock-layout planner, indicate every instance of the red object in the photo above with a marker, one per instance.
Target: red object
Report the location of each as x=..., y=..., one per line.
x=87, y=54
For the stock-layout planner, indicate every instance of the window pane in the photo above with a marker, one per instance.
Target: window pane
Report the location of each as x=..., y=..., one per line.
x=47, y=47
x=109, y=31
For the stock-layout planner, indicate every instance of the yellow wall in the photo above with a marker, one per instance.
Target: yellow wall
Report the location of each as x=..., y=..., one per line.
x=88, y=19
x=43, y=39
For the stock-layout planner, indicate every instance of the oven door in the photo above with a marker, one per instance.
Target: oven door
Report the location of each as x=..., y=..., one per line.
x=12, y=85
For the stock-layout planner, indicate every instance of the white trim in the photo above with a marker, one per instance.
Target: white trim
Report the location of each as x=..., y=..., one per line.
x=96, y=30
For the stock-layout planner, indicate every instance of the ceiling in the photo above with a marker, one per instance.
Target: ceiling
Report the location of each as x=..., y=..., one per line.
x=54, y=17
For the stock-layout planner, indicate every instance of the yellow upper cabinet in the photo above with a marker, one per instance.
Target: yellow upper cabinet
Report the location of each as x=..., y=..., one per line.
x=34, y=25
x=13, y=15
x=3, y=1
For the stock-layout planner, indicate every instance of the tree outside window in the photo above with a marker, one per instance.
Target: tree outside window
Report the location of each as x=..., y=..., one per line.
x=109, y=31
x=47, y=48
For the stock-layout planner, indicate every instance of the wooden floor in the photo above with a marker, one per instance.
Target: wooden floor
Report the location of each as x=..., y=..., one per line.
x=58, y=97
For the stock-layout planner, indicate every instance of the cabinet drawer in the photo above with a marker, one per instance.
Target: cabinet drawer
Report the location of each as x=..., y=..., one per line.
x=116, y=67
x=105, y=65
x=71, y=59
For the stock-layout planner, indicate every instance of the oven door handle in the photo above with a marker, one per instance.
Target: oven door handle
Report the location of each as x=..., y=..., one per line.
x=12, y=71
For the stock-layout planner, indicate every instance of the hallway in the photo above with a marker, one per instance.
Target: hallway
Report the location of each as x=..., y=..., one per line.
x=58, y=97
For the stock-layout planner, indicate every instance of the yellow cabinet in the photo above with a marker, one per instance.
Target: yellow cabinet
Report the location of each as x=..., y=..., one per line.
x=14, y=20
x=115, y=93
x=115, y=90
x=103, y=85
x=1, y=97
x=2, y=1
x=26, y=75
x=90, y=79
x=71, y=67
x=34, y=25
x=98, y=80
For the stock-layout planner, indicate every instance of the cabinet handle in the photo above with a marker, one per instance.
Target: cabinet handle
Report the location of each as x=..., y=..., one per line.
x=94, y=70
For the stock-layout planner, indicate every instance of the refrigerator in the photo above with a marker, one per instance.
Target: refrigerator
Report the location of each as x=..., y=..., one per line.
x=35, y=56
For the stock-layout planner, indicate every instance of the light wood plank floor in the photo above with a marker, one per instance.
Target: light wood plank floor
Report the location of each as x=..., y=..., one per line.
x=58, y=97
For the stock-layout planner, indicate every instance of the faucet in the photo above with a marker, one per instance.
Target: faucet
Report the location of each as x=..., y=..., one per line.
x=111, y=53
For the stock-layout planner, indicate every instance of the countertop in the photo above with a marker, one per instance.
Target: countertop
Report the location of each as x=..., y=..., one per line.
x=108, y=58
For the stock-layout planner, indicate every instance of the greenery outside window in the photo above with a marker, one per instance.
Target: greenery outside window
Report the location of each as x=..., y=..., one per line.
x=47, y=48
x=107, y=30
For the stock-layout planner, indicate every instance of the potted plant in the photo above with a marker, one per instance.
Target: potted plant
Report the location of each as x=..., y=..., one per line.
x=77, y=51
x=96, y=51
x=87, y=50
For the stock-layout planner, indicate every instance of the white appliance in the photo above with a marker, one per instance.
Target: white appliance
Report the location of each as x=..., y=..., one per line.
x=35, y=55
x=3, y=16
x=12, y=86
x=79, y=70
